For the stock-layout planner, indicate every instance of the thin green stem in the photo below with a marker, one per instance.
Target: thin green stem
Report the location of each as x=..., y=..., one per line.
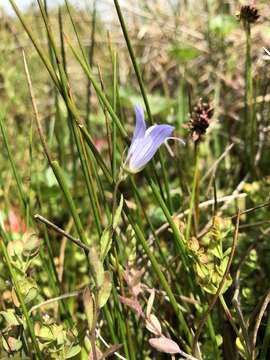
x=250, y=124
x=192, y=205
x=114, y=58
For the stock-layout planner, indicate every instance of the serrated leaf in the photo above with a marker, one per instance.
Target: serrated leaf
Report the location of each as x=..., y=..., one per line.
x=105, y=291
x=118, y=211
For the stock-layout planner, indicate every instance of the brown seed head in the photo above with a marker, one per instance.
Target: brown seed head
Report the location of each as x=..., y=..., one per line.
x=248, y=15
x=199, y=120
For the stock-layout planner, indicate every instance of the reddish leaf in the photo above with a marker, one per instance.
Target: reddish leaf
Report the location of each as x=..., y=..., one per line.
x=133, y=304
x=165, y=345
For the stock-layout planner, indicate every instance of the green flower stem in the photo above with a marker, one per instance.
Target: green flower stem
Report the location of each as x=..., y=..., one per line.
x=144, y=95
x=192, y=205
x=71, y=142
x=91, y=61
x=106, y=103
x=19, y=295
x=250, y=123
x=114, y=139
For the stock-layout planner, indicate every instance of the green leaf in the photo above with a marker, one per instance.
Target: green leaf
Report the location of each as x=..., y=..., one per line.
x=45, y=334
x=31, y=242
x=11, y=318
x=88, y=307
x=216, y=251
x=118, y=211
x=96, y=266
x=15, y=248
x=105, y=291
x=222, y=24
x=184, y=53
x=75, y=350
x=105, y=243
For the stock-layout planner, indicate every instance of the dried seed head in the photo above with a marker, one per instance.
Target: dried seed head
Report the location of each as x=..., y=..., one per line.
x=199, y=120
x=248, y=14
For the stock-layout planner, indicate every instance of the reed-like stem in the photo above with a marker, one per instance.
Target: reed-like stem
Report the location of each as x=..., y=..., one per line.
x=250, y=120
x=193, y=205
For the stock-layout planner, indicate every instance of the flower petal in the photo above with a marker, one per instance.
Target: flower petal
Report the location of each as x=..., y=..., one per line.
x=140, y=123
x=144, y=149
x=139, y=131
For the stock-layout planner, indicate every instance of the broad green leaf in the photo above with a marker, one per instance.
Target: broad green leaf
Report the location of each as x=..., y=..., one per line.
x=118, y=211
x=75, y=350
x=184, y=53
x=11, y=318
x=96, y=266
x=45, y=334
x=31, y=242
x=88, y=306
x=105, y=243
x=105, y=291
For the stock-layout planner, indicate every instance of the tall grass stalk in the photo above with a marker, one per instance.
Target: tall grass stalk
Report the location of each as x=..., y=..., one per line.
x=193, y=206
x=250, y=119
